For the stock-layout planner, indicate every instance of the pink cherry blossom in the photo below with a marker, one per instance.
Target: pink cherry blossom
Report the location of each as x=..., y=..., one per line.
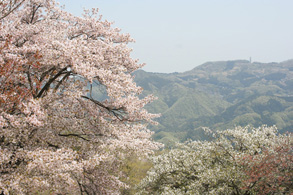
x=54, y=135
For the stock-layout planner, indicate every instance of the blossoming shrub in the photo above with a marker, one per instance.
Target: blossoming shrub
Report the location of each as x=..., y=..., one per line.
x=238, y=161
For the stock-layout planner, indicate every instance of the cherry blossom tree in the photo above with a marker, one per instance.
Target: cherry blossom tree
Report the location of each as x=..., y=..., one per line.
x=54, y=135
x=269, y=172
x=238, y=161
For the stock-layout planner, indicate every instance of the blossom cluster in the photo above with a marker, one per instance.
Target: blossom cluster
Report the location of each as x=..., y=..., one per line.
x=236, y=161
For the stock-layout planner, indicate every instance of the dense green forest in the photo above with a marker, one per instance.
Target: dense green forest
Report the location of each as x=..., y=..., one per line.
x=220, y=95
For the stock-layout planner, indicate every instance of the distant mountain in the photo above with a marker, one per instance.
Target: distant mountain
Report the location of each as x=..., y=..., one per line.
x=220, y=95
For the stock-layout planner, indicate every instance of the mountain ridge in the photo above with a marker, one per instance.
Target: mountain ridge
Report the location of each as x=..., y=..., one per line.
x=220, y=95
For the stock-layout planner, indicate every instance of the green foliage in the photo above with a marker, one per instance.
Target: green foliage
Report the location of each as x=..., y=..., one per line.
x=135, y=170
x=169, y=138
x=220, y=95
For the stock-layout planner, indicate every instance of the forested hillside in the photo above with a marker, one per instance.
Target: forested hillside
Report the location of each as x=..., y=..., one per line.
x=220, y=95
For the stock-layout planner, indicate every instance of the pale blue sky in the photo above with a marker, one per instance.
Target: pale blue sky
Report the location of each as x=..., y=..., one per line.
x=178, y=35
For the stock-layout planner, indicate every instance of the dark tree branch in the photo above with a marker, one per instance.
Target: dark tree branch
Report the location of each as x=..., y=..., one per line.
x=12, y=10
x=51, y=80
x=30, y=82
x=96, y=102
x=52, y=145
x=33, y=14
x=61, y=81
x=74, y=135
x=44, y=74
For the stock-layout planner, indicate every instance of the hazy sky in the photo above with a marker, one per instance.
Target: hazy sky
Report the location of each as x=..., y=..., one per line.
x=177, y=35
